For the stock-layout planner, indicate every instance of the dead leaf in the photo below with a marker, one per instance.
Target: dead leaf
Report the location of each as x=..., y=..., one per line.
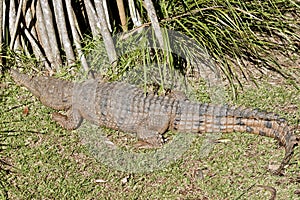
x=223, y=140
x=125, y=179
x=274, y=167
x=25, y=111
x=100, y=181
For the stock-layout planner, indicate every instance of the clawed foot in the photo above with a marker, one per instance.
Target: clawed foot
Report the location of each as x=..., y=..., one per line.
x=70, y=122
x=145, y=145
x=150, y=143
x=59, y=118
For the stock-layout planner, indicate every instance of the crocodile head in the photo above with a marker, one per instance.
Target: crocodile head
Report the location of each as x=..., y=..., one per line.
x=52, y=92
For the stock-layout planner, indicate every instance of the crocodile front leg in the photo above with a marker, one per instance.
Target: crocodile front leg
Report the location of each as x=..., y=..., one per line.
x=70, y=121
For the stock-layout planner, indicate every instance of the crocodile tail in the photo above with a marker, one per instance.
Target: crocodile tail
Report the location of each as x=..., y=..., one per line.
x=291, y=143
x=271, y=125
x=209, y=118
x=258, y=122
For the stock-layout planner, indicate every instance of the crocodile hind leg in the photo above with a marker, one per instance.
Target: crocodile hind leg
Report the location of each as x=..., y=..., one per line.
x=70, y=121
x=148, y=139
x=151, y=130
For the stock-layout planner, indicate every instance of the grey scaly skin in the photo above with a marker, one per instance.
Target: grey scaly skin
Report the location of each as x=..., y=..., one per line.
x=124, y=107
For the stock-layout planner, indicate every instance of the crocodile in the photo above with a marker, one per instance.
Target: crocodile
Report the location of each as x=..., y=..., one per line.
x=125, y=107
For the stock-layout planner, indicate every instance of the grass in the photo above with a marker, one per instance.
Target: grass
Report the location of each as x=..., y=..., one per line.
x=47, y=162
x=240, y=33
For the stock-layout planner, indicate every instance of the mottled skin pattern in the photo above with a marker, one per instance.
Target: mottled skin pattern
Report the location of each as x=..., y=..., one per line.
x=124, y=107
